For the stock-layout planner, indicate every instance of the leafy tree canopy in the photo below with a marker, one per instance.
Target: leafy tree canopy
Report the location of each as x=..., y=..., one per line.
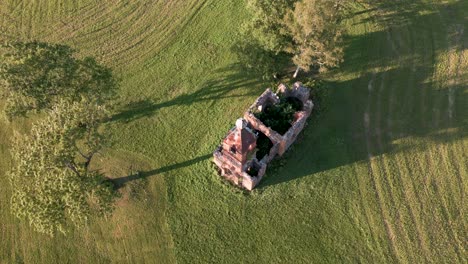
x=308, y=30
x=35, y=75
x=316, y=34
x=267, y=23
x=51, y=180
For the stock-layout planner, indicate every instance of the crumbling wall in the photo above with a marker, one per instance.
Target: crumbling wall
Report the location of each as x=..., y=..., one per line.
x=298, y=91
x=249, y=182
x=256, y=124
x=226, y=163
x=266, y=98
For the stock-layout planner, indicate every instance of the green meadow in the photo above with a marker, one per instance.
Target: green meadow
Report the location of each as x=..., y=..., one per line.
x=379, y=175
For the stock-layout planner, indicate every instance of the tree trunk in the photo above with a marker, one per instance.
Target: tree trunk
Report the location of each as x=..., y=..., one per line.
x=72, y=167
x=296, y=72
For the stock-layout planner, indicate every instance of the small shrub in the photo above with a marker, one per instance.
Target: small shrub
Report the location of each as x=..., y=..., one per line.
x=264, y=145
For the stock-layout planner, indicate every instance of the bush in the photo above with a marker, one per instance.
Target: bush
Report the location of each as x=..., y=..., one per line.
x=280, y=117
x=264, y=145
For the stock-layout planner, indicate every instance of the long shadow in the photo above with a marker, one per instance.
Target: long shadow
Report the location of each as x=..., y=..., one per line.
x=233, y=82
x=379, y=105
x=120, y=182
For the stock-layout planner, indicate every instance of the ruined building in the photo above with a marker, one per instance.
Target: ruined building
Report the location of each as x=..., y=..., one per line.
x=236, y=157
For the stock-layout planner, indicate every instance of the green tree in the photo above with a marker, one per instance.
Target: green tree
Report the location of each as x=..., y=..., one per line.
x=316, y=34
x=35, y=75
x=267, y=25
x=308, y=30
x=51, y=180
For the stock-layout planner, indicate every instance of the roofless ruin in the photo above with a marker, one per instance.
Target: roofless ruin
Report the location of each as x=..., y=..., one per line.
x=268, y=128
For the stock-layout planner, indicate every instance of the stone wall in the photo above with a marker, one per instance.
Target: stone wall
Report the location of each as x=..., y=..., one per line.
x=289, y=137
x=266, y=98
x=298, y=91
x=256, y=124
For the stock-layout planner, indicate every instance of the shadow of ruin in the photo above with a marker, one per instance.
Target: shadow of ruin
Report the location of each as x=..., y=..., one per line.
x=258, y=137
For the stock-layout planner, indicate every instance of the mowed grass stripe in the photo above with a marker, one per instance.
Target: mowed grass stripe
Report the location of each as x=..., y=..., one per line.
x=373, y=164
x=436, y=122
x=409, y=225
x=30, y=17
x=394, y=217
x=442, y=216
x=396, y=190
x=126, y=36
x=377, y=167
x=457, y=154
x=431, y=168
x=405, y=120
x=446, y=191
x=367, y=199
x=129, y=17
x=403, y=103
x=409, y=179
x=167, y=37
x=373, y=171
x=65, y=27
x=448, y=69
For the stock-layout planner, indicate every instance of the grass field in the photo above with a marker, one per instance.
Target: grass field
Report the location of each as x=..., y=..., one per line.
x=379, y=177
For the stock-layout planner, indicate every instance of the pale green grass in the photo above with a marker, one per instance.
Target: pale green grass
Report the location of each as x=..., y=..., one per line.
x=380, y=176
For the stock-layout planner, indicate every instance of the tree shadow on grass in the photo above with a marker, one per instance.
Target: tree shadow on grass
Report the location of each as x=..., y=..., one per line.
x=120, y=182
x=379, y=108
x=232, y=83
x=392, y=13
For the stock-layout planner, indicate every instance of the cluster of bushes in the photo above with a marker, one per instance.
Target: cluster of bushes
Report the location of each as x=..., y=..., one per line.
x=280, y=117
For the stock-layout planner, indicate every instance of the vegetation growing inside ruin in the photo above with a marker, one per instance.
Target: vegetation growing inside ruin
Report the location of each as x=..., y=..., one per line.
x=280, y=116
x=264, y=145
x=252, y=171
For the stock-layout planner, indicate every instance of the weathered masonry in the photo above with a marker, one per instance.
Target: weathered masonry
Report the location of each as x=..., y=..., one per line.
x=238, y=156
